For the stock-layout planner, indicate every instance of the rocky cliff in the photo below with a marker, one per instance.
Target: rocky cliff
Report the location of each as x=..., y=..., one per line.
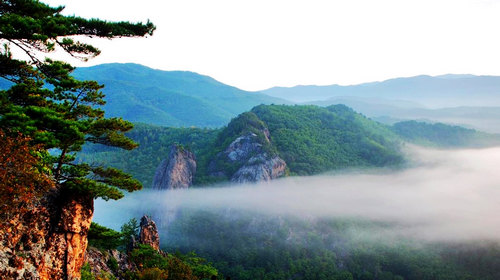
x=48, y=242
x=148, y=233
x=177, y=171
x=251, y=156
x=116, y=263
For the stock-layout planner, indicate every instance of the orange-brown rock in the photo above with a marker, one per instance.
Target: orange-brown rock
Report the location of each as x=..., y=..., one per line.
x=48, y=242
x=149, y=233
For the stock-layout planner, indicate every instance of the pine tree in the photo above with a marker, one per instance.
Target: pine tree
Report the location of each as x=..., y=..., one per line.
x=50, y=107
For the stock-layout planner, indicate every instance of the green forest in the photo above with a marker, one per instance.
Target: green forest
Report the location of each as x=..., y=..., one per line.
x=313, y=139
x=247, y=245
x=69, y=144
x=309, y=138
x=442, y=135
x=170, y=98
x=150, y=263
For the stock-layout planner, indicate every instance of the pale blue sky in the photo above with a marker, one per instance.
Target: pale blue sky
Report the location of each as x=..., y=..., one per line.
x=259, y=44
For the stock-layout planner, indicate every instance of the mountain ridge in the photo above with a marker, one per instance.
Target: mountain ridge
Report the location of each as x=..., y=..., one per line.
x=448, y=90
x=169, y=98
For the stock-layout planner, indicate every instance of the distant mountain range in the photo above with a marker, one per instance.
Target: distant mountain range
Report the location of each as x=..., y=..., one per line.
x=182, y=99
x=467, y=100
x=431, y=92
x=170, y=98
x=389, y=112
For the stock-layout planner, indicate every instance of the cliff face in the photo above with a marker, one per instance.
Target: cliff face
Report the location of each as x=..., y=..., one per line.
x=254, y=163
x=48, y=242
x=177, y=171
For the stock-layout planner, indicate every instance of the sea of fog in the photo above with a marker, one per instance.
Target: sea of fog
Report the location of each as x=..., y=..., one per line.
x=443, y=195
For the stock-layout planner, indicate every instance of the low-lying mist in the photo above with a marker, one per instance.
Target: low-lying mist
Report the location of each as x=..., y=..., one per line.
x=445, y=195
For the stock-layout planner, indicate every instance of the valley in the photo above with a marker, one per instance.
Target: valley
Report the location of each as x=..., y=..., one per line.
x=270, y=140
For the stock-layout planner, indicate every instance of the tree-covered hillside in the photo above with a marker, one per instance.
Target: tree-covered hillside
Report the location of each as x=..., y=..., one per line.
x=312, y=139
x=442, y=135
x=154, y=146
x=246, y=245
x=170, y=98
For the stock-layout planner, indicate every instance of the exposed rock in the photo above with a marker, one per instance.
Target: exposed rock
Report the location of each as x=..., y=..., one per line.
x=98, y=261
x=254, y=163
x=116, y=263
x=177, y=171
x=258, y=168
x=148, y=233
x=101, y=262
x=243, y=147
x=48, y=242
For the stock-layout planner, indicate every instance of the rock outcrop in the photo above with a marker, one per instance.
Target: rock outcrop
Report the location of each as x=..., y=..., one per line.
x=250, y=154
x=109, y=262
x=48, y=242
x=260, y=168
x=148, y=233
x=116, y=263
x=177, y=171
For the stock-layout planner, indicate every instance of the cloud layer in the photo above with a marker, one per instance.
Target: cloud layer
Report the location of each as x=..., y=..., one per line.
x=446, y=196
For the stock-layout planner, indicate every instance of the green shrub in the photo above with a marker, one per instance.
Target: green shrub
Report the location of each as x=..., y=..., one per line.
x=103, y=238
x=86, y=272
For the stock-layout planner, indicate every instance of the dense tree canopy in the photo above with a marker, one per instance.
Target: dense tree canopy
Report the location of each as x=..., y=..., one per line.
x=48, y=105
x=442, y=135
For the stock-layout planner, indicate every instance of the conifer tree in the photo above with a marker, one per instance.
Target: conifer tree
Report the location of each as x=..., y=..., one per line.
x=50, y=107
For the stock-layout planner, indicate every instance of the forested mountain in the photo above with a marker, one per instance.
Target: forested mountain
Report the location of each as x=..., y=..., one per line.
x=182, y=99
x=309, y=139
x=169, y=98
x=483, y=118
x=154, y=146
x=313, y=139
x=442, y=135
x=434, y=92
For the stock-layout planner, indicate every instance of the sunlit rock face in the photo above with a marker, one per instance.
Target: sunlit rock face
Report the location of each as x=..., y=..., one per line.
x=148, y=233
x=49, y=242
x=248, y=156
x=177, y=171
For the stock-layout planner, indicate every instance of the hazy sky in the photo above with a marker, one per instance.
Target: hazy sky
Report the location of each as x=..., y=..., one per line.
x=259, y=44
